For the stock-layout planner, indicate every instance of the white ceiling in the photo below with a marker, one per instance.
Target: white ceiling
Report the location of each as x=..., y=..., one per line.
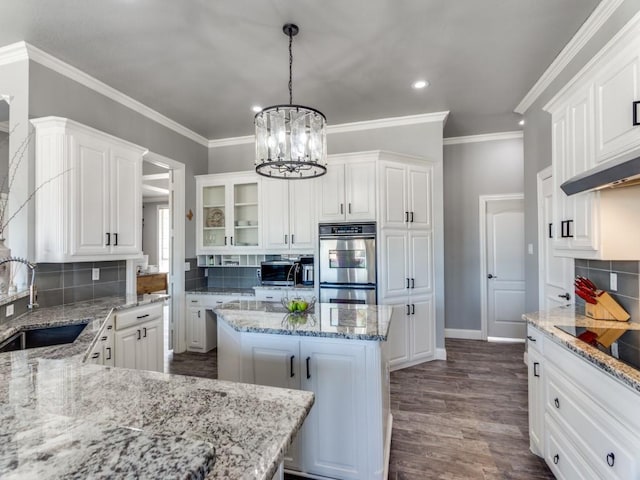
x=204, y=63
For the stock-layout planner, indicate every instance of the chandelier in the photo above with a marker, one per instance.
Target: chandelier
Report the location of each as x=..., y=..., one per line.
x=291, y=140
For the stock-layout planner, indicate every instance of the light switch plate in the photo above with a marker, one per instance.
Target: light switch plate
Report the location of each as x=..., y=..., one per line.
x=613, y=282
x=530, y=248
x=9, y=310
x=187, y=266
x=95, y=274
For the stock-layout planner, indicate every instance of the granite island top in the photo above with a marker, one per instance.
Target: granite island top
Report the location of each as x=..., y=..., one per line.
x=567, y=316
x=62, y=418
x=356, y=322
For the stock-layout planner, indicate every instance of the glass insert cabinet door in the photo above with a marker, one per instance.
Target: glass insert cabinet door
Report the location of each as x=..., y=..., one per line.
x=214, y=215
x=245, y=215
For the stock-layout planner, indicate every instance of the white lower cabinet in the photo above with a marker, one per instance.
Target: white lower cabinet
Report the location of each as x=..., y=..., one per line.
x=201, y=321
x=571, y=421
x=411, y=334
x=139, y=338
x=345, y=433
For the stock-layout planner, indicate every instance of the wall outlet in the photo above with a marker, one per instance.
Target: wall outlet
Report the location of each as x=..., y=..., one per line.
x=9, y=310
x=95, y=274
x=187, y=267
x=530, y=248
x=613, y=282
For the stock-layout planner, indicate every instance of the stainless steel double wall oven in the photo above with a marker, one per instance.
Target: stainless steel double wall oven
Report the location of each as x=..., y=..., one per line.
x=347, y=263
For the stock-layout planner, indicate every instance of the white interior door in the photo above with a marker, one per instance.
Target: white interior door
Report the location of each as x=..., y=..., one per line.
x=555, y=273
x=505, y=268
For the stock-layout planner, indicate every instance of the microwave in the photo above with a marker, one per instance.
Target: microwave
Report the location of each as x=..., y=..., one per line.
x=278, y=272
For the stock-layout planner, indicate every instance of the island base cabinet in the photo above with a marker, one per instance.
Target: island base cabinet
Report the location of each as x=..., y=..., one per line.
x=344, y=435
x=139, y=338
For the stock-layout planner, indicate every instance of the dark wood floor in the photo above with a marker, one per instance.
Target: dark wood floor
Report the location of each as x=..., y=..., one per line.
x=460, y=419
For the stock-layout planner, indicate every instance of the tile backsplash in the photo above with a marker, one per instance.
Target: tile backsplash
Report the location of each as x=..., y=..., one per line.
x=233, y=277
x=599, y=272
x=195, y=277
x=62, y=283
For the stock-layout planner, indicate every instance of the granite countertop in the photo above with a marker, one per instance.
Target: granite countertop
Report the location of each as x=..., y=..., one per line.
x=357, y=322
x=567, y=316
x=62, y=418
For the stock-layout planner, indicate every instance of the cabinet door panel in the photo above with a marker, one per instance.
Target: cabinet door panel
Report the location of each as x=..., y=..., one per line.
x=126, y=201
x=276, y=214
x=360, y=191
x=90, y=174
x=393, y=196
x=394, y=275
x=420, y=195
x=422, y=329
x=332, y=202
x=580, y=133
x=616, y=88
x=562, y=208
x=337, y=421
x=126, y=346
x=536, y=402
x=195, y=328
x=397, y=344
x=302, y=218
x=152, y=347
x=421, y=262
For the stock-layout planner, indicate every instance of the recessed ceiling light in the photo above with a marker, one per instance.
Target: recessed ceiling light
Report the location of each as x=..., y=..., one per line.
x=521, y=122
x=420, y=84
x=256, y=108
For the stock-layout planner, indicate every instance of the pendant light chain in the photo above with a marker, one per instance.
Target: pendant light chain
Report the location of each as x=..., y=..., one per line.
x=290, y=67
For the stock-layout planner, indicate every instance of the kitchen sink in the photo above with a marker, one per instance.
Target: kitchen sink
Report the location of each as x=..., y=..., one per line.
x=42, y=337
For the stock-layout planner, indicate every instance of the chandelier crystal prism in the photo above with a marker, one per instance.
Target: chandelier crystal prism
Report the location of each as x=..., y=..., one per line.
x=291, y=140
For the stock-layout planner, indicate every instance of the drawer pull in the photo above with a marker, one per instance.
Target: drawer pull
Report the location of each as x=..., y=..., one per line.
x=95, y=355
x=536, y=373
x=611, y=459
x=109, y=327
x=556, y=402
x=531, y=339
x=142, y=316
x=104, y=339
x=556, y=459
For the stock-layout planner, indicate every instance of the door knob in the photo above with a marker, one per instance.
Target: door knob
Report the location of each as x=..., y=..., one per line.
x=566, y=296
x=490, y=276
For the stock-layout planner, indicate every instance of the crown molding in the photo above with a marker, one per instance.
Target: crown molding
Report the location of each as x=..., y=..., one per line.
x=486, y=137
x=598, y=17
x=349, y=127
x=24, y=51
x=14, y=52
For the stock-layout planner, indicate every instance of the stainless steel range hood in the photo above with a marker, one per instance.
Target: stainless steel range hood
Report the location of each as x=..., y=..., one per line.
x=623, y=174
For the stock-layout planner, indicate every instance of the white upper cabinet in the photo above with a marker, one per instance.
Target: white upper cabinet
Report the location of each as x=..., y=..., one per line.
x=592, y=125
x=89, y=205
x=348, y=189
x=617, y=86
x=289, y=208
x=405, y=195
x=228, y=216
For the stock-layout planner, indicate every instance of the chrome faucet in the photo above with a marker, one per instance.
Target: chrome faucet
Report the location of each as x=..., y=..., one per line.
x=32, y=287
x=295, y=265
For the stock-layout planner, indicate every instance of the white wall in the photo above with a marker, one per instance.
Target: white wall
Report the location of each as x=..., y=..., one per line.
x=471, y=170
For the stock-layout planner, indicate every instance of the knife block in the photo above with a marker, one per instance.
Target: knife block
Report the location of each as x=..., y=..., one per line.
x=606, y=309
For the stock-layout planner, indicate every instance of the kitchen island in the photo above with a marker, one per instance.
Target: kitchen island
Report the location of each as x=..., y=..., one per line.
x=335, y=351
x=63, y=418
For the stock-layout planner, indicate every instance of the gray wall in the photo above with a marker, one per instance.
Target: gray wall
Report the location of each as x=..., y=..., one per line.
x=471, y=170
x=150, y=230
x=53, y=94
x=423, y=140
x=537, y=138
x=4, y=159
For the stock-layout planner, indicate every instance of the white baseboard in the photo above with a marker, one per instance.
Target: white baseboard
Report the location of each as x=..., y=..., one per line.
x=505, y=340
x=441, y=354
x=463, y=333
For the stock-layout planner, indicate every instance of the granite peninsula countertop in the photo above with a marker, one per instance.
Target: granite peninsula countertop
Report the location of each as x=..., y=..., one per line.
x=62, y=418
x=567, y=316
x=356, y=322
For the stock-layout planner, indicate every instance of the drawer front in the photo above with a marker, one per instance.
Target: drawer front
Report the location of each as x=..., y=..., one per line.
x=270, y=295
x=563, y=460
x=605, y=443
x=134, y=316
x=534, y=338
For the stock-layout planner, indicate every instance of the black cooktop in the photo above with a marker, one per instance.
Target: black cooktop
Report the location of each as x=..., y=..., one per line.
x=625, y=349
